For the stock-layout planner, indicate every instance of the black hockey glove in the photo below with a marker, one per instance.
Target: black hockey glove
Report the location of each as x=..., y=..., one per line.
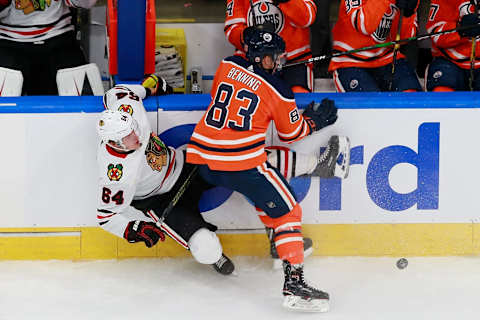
x=147, y=232
x=469, y=20
x=320, y=115
x=408, y=7
x=156, y=85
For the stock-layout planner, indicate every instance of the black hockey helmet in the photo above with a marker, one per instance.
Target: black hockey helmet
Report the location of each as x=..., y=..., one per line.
x=261, y=43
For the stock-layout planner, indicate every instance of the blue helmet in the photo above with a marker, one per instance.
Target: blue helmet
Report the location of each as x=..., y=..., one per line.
x=261, y=43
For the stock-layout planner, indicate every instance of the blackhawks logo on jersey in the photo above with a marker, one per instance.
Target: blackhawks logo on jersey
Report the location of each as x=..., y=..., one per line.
x=114, y=172
x=126, y=108
x=28, y=6
x=156, y=153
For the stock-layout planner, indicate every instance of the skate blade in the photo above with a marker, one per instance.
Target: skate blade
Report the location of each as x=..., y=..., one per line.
x=278, y=264
x=298, y=304
x=342, y=169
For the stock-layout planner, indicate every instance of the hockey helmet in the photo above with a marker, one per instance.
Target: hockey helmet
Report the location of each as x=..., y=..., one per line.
x=261, y=43
x=114, y=125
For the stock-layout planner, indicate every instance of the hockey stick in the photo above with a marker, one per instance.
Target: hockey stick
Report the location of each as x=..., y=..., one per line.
x=395, y=50
x=178, y=195
x=253, y=14
x=376, y=46
x=473, y=51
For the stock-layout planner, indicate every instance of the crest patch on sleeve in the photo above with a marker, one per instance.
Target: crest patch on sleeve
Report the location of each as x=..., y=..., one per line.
x=156, y=153
x=114, y=172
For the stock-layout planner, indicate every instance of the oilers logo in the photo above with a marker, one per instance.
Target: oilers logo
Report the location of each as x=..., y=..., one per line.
x=383, y=29
x=266, y=12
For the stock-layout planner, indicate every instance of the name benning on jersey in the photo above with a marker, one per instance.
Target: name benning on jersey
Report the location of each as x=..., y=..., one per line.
x=245, y=78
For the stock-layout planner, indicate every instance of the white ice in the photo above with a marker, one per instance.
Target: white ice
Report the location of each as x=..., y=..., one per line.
x=170, y=289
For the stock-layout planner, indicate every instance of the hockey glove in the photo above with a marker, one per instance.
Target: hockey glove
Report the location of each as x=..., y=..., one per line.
x=277, y=2
x=408, y=7
x=156, y=85
x=320, y=115
x=470, y=20
x=147, y=232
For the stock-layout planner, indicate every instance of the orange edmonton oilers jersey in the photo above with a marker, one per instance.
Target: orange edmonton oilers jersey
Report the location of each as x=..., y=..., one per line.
x=363, y=23
x=245, y=99
x=291, y=19
x=445, y=15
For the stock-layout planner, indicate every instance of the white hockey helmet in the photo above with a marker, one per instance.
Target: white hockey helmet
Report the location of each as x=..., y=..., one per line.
x=114, y=125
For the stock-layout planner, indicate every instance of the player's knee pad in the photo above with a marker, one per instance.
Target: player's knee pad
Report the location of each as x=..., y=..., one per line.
x=11, y=82
x=205, y=246
x=71, y=81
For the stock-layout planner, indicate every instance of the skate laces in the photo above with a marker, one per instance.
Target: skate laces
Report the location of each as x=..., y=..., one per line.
x=324, y=155
x=221, y=261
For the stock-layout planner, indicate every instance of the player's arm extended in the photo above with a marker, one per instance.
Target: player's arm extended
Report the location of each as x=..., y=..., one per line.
x=235, y=22
x=291, y=125
x=301, y=12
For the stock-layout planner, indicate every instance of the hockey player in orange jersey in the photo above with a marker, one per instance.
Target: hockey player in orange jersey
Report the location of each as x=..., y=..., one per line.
x=367, y=23
x=452, y=67
x=228, y=144
x=290, y=19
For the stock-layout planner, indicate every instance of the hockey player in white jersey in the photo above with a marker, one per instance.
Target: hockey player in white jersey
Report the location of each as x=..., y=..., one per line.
x=139, y=176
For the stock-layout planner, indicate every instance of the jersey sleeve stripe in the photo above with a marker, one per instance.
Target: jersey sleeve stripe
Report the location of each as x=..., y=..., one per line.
x=233, y=21
x=299, y=131
x=354, y=20
x=361, y=16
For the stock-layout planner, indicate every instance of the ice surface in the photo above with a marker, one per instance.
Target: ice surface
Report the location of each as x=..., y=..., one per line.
x=360, y=288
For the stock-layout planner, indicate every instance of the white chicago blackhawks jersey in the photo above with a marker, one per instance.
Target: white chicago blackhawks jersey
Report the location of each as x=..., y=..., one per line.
x=137, y=175
x=30, y=21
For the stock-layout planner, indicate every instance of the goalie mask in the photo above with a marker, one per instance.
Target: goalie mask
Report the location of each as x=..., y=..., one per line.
x=264, y=43
x=113, y=126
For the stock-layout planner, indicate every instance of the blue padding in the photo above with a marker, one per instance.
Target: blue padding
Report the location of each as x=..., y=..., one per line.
x=131, y=39
x=186, y=102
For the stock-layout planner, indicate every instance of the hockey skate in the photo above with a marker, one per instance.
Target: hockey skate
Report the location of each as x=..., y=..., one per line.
x=224, y=265
x=334, y=161
x=298, y=295
x=277, y=262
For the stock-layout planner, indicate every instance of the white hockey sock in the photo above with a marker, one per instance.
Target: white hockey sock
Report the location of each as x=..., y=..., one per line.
x=290, y=163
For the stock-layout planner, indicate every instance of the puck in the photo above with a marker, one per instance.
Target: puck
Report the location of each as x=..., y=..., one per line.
x=402, y=263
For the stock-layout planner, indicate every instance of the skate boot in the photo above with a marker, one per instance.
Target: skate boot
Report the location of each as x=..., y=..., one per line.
x=224, y=265
x=300, y=296
x=277, y=262
x=334, y=161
